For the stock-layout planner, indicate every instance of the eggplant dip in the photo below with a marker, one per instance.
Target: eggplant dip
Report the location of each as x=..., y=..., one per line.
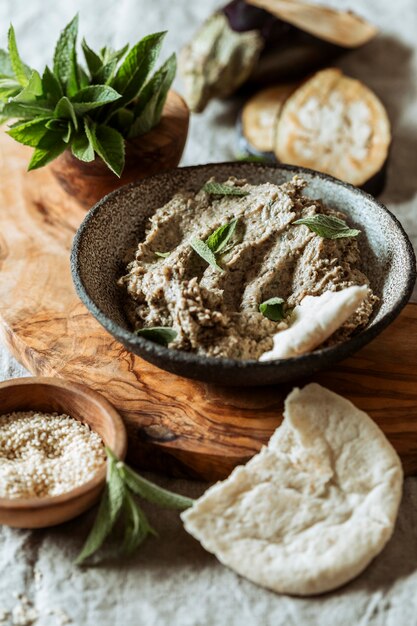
x=223, y=272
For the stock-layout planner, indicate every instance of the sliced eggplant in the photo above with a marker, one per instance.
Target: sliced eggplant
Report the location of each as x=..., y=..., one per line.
x=334, y=124
x=342, y=28
x=242, y=44
x=258, y=119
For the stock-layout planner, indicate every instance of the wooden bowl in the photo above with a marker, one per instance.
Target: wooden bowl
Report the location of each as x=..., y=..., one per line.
x=158, y=150
x=85, y=405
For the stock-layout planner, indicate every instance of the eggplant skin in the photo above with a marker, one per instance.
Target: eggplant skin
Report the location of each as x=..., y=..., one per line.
x=288, y=52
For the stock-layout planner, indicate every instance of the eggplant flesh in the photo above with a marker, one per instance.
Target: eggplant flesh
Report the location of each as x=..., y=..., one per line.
x=330, y=123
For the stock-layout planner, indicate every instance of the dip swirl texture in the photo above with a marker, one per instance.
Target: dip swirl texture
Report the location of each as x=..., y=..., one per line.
x=216, y=313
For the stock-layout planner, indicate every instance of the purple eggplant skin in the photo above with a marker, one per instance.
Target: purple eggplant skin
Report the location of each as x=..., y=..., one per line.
x=289, y=52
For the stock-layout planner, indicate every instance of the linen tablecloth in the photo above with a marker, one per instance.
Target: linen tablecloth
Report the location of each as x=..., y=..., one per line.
x=172, y=580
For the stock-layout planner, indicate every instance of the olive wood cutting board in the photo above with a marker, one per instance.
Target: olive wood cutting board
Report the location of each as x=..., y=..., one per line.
x=175, y=425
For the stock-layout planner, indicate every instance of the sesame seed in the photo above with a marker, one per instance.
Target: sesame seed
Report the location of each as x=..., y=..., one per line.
x=46, y=454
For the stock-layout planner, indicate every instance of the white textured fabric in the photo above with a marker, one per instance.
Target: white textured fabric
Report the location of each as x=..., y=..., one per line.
x=172, y=580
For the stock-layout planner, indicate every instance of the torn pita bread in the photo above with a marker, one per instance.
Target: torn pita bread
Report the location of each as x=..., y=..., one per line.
x=311, y=510
x=314, y=320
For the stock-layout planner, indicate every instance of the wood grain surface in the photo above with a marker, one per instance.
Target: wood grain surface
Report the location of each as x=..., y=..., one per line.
x=175, y=425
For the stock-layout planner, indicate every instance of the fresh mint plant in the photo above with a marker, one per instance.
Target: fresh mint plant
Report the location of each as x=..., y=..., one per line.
x=89, y=109
x=119, y=506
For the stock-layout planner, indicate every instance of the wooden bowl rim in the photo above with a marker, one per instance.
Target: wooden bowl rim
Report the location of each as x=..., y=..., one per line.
x=107, y=409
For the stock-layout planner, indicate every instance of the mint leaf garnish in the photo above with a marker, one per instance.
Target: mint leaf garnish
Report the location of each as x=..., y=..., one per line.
x=219, y=189
x=328, y=226
x=219, y=239
x=119, y=504
x=205, y=252
x=273, y=309
x=158, y=334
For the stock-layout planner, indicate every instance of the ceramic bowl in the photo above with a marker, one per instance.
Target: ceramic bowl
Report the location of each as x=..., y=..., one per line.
x=50, y=395
x=117, y=222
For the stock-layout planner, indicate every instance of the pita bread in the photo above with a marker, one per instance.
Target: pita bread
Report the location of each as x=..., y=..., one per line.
x=311, y=510
x=314, y=320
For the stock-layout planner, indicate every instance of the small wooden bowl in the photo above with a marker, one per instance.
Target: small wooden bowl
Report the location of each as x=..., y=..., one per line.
x=87, y=406
x=158, y=150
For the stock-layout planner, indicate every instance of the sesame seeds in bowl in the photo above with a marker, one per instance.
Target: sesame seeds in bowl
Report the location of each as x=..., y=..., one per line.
x=52, y=456
x=46, y=454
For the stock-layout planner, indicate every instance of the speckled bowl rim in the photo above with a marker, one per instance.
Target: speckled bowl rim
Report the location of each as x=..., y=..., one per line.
x=338, y=351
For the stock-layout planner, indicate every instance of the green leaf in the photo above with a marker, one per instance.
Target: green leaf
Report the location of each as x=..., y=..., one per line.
x=273, y=309
x=94, y=62
x=21, y=71
x=163, y=255
x=9, y=87
x=111, y=59
x=26, y=111
x=82, y=149
x=83, y=77
x=93, y=97
x=6, y=69
x=152, y=493
x=152, y=98
x=65, y=58
x=29, y=133
x=65, y=110
x=204, y=252
x=328, y=226
x=68, y=133
x=219, y=189
x=59, y=126
x=218, y=240
x=109, y=510
x=137, y=527
x=108, y=143
x=158, y=334
x=33, y=89
x=51, y=86
x=49, y=147
x=100, y=530
x=136, y=66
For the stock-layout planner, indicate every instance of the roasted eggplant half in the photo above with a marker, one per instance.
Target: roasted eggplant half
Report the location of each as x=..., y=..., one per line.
x=335, y=124
x=273, y=41
x=258, y=120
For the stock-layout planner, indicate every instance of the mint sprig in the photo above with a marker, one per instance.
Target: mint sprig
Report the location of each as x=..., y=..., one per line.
x=328, y=226
x=218, y=242
x=89, y=109
x=119, y=506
